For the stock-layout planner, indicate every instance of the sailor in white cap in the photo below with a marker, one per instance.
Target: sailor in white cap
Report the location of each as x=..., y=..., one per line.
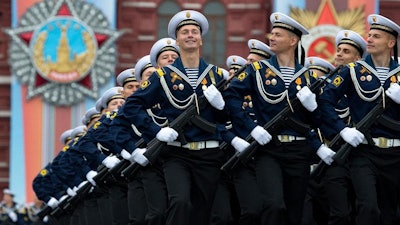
x=144, y=69
x=175, y=87
x=318, y=65
x=90, y=117
x=234, y=63
x=65, y=137
x=258, y=51
x=350, y=47
x=112, y=99
x=365, y=83
x=127, y=80
x=163, y=52
x=270, y=83
x=8, y=208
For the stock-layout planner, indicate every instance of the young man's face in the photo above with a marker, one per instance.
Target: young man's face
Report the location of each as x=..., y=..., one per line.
x=130, y=88
x=345, y=54
x=189, y=37
x=379, y=42
x=281, y=40
x=166, y=58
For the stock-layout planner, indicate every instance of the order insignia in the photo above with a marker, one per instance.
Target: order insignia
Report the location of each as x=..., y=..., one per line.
x=60, y=55
x=337, y=81
x=242, y=76
x=43, y=172
x=145, y=84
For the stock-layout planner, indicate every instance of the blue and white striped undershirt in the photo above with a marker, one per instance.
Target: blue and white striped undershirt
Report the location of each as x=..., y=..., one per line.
x=287, y=74
x=382, y=73
x=193, y=74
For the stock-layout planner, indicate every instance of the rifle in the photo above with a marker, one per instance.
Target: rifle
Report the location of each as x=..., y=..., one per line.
x=273, y=125
x=363, y=126
x=155, y=146
x=70, y=201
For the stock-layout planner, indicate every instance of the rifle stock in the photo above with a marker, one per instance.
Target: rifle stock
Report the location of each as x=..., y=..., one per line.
x=44, y=212
x=155, y=146
x=272, y=126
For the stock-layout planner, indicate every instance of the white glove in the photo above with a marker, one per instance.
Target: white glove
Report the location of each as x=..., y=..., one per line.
x=307, y=98
x=214, y=97
x=110, y=161
x=261, y=135
x=138, y=156
x=352, y=136
x=71, y=192
x=394, y=92
x=125, y=154
x=90, y=175
x=52, y=202
x=46, y=219
x=326, y=154
x=167, y=134
x=13, y=216
x=239, y=144
x=62, y=198
x=81, y=184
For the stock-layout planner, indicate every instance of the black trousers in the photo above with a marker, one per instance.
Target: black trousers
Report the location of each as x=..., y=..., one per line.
x=375, y=176
x=191, y=177
x=340, y=194
x=155, y=192
x=137, y=205
x=282, y=173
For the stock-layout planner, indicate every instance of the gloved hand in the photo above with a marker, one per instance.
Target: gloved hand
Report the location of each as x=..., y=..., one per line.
x=13, y=216
x=167, y=134
x=214, y=97
x=53, y=202
x=239, y=144
x=62, y=198
x=394, y=92
x=71, y=192
x=138, y=156
x=110, y=161
x=125, y=154
x=307, y=98
x=46, y=219
x=326, y=154
x=90, y=175
x=352, y=136
x=82, y=183
x=261, y=135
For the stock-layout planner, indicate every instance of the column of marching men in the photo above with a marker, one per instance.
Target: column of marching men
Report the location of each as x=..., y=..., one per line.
x=279, y=116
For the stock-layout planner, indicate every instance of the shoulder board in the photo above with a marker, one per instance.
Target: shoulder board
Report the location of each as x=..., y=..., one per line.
x=219, y=71
x=160, y=72
x=256, y=65
x=352, y=64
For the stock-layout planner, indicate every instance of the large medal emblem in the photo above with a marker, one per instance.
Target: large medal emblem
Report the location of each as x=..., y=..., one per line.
x=63, y=51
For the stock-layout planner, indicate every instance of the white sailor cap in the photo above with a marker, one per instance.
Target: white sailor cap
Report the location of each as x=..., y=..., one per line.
x=352, y=38
x=126, y=76
x=98, y=106
x=8, y=192
x=260, y=48
x=235, y=62
x=65, y=136
x=382, y=23
x=319, y=64
x=90, y=115
x=141, y=65
x=187, y=17
x=78, y=131
x=283, y=21
x=162, y=45
x=110, y=94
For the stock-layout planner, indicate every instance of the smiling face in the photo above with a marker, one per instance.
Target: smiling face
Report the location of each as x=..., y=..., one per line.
x=379, y=42
x=188, y=38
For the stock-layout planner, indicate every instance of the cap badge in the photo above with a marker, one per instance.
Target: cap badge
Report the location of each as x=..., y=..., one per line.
x=346, y=34
x=276, y=17
x=374, y=19
x=187, y=14
x=168, y=42
x=234, y=59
